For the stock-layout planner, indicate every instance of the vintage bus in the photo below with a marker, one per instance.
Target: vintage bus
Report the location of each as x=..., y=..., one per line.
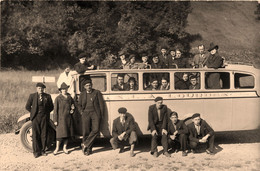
x=233, y=106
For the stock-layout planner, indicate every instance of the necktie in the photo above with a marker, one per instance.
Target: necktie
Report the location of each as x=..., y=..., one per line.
x=159, y=114
x=40, y=97
x=123, y=121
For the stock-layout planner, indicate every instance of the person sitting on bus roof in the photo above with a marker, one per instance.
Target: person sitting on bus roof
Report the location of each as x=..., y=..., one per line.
x=171, y=62
x=123, y=131
x=144, y=64
x=154, y=85
x=180, y=61
x=183, y=82
x=120, y=64
x=82, y=66
x=157, y=113
x=200, y=59
x=200, y=132
x=177, y=134
x=194, y=85
x=132, y=86
x=164, y=84
x=120, y=85
x=131, y=64
x=163, y=57
x=156, y=63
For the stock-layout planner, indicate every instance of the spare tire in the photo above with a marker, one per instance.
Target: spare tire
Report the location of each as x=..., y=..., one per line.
x=26, y=136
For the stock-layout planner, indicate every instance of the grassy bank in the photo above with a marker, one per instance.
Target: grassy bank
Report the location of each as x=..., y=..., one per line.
x=15, y=87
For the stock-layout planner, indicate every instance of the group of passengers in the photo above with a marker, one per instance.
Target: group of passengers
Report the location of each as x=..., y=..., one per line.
x=172, y=131
x=173, y=59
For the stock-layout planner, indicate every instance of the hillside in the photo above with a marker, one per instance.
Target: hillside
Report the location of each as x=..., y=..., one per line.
x=231, y=25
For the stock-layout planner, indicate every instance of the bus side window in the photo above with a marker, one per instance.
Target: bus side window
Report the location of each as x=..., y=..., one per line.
x=244, y=81
x=99, y=81
x=124, y=82
x=187, y=80
x=217, y=80
x=156, y=81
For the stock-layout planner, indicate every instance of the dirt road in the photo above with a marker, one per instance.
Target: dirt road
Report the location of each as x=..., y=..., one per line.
x=229, y=156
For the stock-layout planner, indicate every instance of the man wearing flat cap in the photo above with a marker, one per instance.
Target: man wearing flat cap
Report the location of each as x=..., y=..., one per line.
x=82, y=66
x=39, y=105
x=91, y=108
x=200, y=132
x=123, y=131
x=157, y=113
x=215, y=61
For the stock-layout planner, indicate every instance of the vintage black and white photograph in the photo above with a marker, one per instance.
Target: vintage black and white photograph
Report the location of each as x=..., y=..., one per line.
x=129, y=85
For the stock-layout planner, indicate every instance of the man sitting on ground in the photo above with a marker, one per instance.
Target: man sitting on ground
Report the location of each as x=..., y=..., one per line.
x=123, y=131
x=200, y=132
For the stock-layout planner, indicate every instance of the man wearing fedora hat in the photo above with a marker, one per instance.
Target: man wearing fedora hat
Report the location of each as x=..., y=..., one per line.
x=120, y=64
x=157, y=113
x=39, y=105
x=123, y=131
x=200, y=132
x=91, y=108
x=215, y=61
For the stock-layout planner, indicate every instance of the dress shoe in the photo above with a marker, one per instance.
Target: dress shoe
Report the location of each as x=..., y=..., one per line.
x=121, y=149
x=193, y=151
x=155, y=154
x=184, y=153
x=208, y=151
x=36, y=155
x=167, y=154
x=44, y=153
x=88, y=152
x=132, y=154
x=83, y=148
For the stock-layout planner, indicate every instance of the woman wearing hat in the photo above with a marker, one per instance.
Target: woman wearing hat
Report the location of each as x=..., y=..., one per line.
x=214, y=61
x=63, y=109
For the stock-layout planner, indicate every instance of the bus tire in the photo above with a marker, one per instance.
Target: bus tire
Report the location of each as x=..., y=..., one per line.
x=26, y=136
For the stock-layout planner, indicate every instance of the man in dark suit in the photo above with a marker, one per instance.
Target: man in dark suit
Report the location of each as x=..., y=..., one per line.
x=91, y=107
x=156, y=115
x=39, y=105
x=177, y=133
x=120, y=85
x=200, y=132
x=123, y=130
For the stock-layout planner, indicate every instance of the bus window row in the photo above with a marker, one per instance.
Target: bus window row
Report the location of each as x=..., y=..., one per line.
x=161, y=81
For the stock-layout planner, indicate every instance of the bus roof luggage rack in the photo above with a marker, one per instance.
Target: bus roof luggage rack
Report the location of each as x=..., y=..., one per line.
x=239, y=63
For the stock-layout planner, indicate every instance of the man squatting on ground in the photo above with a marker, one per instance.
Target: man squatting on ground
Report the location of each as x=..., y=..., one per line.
x=123, y=131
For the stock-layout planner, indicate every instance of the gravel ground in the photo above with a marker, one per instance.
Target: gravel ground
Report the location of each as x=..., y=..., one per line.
x=233, y=153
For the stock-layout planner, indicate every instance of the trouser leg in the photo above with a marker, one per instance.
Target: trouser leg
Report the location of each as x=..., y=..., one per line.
x=154, y=143
x=183, y=142
x=85, y=126
x=132, y=138
x=36, y=134
x=94, y=130
x=43, y=126
x=210, y=143
x=164, y=143
x=193, y=145
x=114, y=143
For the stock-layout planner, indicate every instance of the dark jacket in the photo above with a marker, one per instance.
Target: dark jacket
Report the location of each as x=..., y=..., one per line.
x=32, y=105
x=119, y=129
x=98, y=102
x=153, y=118
x=204, y=130
x=214, y=61
x=180, y=127
x=116, y=87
